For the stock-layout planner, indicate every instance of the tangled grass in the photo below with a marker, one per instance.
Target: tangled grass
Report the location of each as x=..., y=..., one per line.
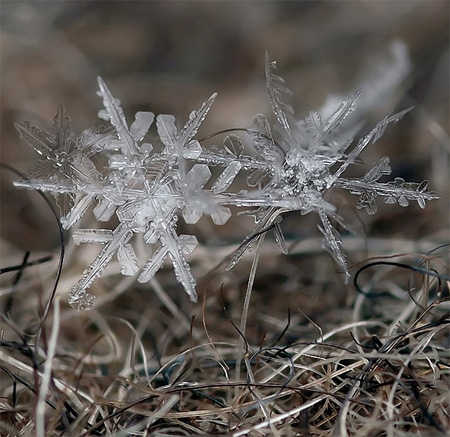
x=290, y=351
x=366, y=359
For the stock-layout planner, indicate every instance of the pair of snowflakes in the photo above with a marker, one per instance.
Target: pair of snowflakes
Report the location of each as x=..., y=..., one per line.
x=292, y=166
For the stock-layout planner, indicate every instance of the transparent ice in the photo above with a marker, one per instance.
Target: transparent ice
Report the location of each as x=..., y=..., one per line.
x=290, y=166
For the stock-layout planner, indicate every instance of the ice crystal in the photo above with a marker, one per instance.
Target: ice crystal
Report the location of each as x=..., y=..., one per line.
x=292, y=166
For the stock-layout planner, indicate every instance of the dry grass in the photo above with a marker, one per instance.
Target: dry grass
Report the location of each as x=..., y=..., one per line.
x=312, y=356
x=324, y=360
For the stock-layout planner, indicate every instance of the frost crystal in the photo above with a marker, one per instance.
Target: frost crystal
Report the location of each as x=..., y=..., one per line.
x=292, y=166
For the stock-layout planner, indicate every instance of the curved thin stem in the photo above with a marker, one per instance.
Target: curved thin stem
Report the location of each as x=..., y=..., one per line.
x=246, y=306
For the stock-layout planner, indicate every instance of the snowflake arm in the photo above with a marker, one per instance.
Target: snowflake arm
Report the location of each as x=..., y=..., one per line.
x=113, y=112
x=175, y=247
x=332, y=242
x=79, y=298
x=397, y=191
x=276, y=89
x=372, y=136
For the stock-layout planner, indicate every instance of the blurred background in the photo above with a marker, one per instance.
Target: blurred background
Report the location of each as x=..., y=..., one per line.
x=169, y=56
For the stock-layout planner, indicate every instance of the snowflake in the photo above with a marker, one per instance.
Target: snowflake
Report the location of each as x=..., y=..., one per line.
x=293, y=167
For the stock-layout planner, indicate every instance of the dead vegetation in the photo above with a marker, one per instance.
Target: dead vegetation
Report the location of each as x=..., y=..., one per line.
x=290, y=351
